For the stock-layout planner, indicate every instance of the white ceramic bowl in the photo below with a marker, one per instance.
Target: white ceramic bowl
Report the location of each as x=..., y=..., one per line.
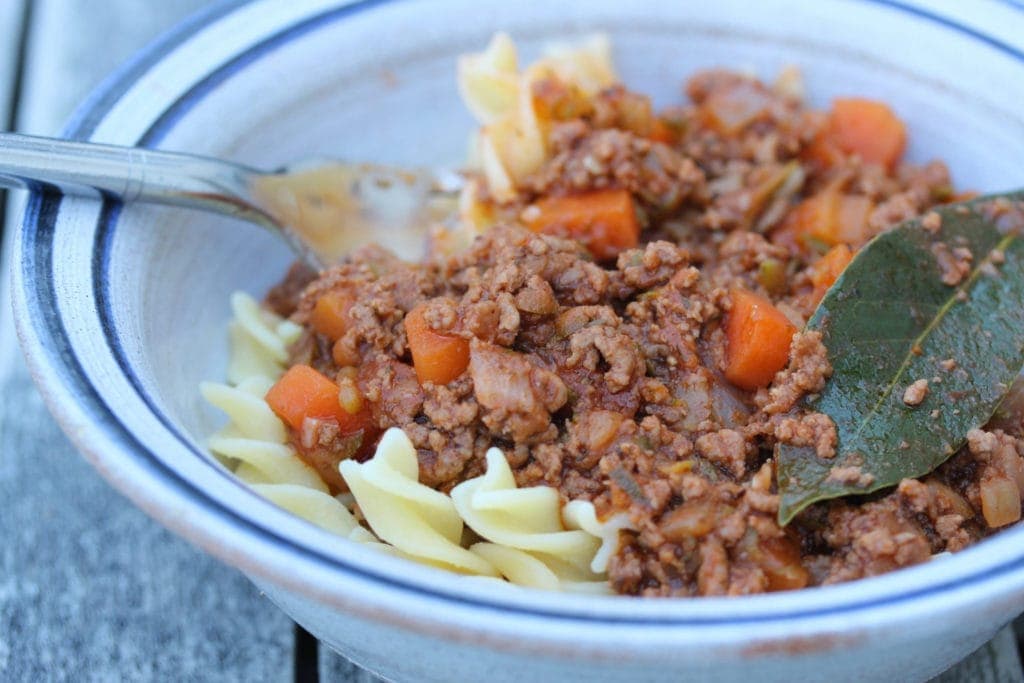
x=122, y=311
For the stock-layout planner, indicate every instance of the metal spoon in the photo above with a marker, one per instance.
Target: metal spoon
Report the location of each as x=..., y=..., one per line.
x=322, y=210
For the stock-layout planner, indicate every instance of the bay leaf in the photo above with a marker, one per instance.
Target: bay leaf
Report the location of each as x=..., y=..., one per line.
x=889, y=321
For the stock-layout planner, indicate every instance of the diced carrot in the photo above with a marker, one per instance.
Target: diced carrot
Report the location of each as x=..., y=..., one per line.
x=869, y=129
x=303, y=392
x=828, y=218
x=757, y=340
x=329, y=316
x=662, y=132
x=822, y=151
x=827, y=270
x=604, y=221
x=436, y=357
x=815, y=218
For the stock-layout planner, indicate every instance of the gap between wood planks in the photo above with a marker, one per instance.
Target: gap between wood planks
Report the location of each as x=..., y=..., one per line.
x=306, y=657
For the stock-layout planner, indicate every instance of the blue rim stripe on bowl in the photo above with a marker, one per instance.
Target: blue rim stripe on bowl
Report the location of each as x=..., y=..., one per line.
x=40, y=219
x=951, y=24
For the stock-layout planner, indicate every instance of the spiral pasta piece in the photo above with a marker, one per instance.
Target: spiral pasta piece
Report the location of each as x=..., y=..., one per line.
x=527, y=519
x=580, y=514
x=315, y=506
x=270, y=462
x=513, y=142
x=536, y=570
x=489, y=80
x=416, y=519
x=259, y=340
x=586, y=63
x=250, y=416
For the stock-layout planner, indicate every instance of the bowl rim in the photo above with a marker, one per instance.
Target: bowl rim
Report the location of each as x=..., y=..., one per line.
x=110, y=446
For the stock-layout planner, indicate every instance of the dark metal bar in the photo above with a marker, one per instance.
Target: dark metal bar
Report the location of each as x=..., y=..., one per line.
x=306, y=657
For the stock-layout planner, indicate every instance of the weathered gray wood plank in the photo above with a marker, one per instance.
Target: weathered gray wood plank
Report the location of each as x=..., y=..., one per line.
x=91, y=588
x=997, y=661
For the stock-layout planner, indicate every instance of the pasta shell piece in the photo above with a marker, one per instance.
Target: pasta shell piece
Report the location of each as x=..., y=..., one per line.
x=517, y=566
x=362, y=535
x=516, y=525
x=403, y=525
x=249, y=414
x=277, y=462
x=537, y=507
x=313, y=506
x=494, y=582
x=534, y=509
x=259, y=324
x=580, y=514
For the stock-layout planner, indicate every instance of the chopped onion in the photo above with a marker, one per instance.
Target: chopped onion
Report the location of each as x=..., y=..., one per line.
x=1000, y=501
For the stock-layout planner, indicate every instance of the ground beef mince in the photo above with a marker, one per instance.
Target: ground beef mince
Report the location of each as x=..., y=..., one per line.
x=607, y=379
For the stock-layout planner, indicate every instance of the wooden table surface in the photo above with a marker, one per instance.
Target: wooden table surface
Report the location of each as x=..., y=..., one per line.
x=91, y=588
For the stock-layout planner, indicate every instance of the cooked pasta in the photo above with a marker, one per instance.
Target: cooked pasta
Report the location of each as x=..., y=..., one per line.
x=536, y=570
x=416, y=519
x=580, y=514
x=259, y=340
x=317, y=507
x=489, y=80
x=513, y=142
x=527, y=519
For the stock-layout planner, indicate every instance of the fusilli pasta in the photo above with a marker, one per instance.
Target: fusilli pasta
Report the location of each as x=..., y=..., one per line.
x=416, y=519
x=513, y=142
x=526, y=519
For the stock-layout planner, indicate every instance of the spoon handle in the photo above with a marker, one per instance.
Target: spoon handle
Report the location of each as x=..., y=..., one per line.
x=130, y=174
